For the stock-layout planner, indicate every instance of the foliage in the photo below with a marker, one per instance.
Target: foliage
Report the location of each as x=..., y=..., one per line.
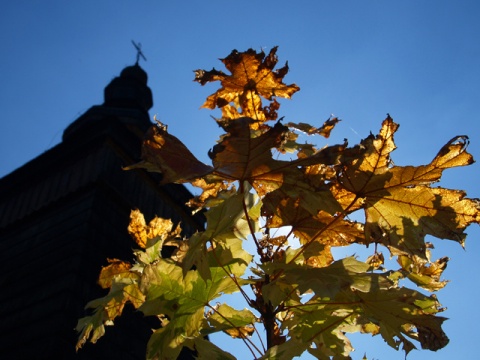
x=305, y=299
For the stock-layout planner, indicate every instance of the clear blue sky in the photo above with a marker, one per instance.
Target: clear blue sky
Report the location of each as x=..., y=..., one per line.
x=417, y=60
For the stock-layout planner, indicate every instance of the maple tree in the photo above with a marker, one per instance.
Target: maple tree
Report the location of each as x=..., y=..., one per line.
x=305, y=299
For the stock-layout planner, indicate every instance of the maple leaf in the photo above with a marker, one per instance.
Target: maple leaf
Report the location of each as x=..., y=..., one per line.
x=424, y=273
x=154, y=236
x=242, y=157
x=183, y=298
x=115, y=267
x=123, y=287
x=252, y=76
x=211, y=187
x=324, y=130
x=145, y=235
x=400, y=206
x=349, y=298
x=164, y=153
x=209, y=351
x=236, y=323
x=90, y=328
x=221, y=225
x=325, y=321
x=244, y=154
x=319, y=225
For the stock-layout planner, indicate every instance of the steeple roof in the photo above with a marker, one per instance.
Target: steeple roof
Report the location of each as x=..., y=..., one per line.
x=127, y=99
x=129, y=90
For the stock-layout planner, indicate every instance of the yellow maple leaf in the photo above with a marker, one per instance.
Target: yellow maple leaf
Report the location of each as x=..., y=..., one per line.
x=251, y=77
x=245, y=154
x=142, y=233
x=324, y=130
x=210, y=190
x=400, y=206
x=137, y=228
x=116, y=267
x=239, y=156
x=424, y=273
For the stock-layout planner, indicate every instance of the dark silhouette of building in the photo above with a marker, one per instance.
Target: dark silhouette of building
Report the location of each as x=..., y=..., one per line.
x=64, y=213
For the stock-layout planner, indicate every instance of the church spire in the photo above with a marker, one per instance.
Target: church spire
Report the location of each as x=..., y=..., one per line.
x=129, y=90
x=127, y=98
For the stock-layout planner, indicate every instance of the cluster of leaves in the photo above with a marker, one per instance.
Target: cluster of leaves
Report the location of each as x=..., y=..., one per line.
x=304, y=298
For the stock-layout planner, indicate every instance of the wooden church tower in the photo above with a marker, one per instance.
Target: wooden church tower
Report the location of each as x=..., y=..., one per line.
x=64, y=213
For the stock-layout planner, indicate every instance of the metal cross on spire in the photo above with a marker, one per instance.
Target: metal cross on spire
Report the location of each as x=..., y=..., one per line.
x=139, y=52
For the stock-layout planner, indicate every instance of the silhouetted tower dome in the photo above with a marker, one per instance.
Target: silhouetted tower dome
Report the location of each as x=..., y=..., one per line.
x=127, y=100
x=129, y=90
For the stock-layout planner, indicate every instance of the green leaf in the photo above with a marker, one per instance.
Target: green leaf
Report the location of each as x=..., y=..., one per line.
x=225, y=223
x=328, y=281
x=182, y=299
x=222, y=218
x=224, y=317
x=397, y=314
x=123, y=283
x=286, y=351
x=90, y=328
x=207, y=350
x=196, y=256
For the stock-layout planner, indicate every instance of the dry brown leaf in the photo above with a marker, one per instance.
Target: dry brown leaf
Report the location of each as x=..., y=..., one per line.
x=241, y=332
x=324, y=130
x=210, y=190
x=164, y=153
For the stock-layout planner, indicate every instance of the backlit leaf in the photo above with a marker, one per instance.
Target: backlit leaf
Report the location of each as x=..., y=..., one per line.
x=164, y=153
x=251, y=76
x=115, y=268
x=324, y=130
x=400, y=207
x=424, y=273
x=208, y=351
x=237, y=323
x=146, y=235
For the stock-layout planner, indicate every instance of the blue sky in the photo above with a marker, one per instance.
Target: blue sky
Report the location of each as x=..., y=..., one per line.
x=417, y=60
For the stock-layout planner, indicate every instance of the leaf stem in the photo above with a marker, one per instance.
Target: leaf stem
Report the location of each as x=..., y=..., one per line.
x=250, y=226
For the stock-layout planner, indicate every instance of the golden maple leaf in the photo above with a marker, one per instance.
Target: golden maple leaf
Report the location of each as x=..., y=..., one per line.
x=400, y=206
x=211, y=187
x=123, y=284
x=157, y=227
x=424, y=273
x=245, y=154
x=324, y=130
x=114, y=268
x=252, y=76
x=239, y=156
